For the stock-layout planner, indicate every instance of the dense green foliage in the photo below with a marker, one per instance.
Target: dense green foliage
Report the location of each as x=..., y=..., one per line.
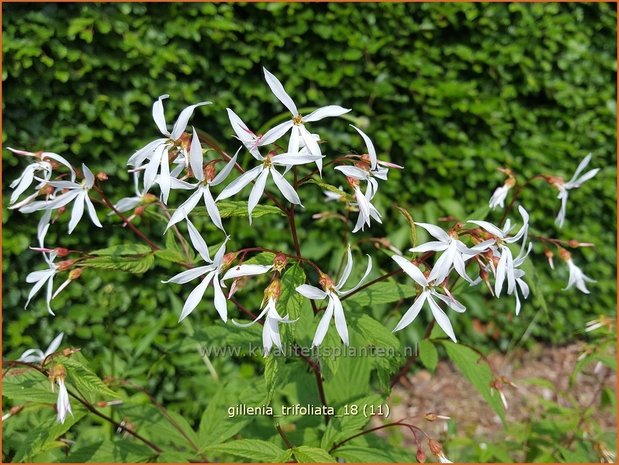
x=450, y=91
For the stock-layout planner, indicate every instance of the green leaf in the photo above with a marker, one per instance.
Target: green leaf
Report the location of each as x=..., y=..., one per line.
x=382, y=293
x=170, y=255
x=305, y=454
x=292, y=303
x=216, y=426
x=231, y=208
x=319, y=182
x=136, y=264
x=123, y=250
x=428, y=354
x=271, y=374
x=388, y=348
x=83, y=378
x=43, y=437
x=115, y=450
x=253, y=449
x=476, y=370
x=27, y=385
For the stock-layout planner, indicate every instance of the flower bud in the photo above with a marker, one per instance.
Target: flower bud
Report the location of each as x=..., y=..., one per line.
x=209, y=171
x=326, y=282
x=75, y=274
x=149, y=198
x=564, y=254
x=16, y=409
x=280, y=262
x=421, y=455
x=229, y=259
x=273, y=290
x=435, y=447
x=65, y=264
x=61, y=251
x=549, y=256
x=101, y=176
x=57, y=372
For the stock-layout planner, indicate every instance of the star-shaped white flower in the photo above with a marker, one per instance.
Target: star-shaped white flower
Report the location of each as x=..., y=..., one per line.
x=211, y=273
x=261, y=173
x=577, y=278
x=157, y=151
x=505, y=267
x=63, y=406
x=574, y=183
x=296, y=125
x=37, y=355
x=428, y=294
x=76, y=193
x=334, y=306
x=42, y=277
x=42, y=166
x=499, y=196
x=202, y=188
x=367, y=211
x=455, y=253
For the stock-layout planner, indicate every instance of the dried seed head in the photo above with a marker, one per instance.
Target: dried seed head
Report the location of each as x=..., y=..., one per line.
x=280, y=262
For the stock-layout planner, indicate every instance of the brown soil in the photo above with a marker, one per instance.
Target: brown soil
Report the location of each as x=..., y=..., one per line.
x=447, y=392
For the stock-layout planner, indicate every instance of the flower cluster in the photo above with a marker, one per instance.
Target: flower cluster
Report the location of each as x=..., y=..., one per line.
x=181, y=161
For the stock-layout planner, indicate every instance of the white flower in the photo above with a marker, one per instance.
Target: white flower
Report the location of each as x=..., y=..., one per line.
x=499, y=196
x=37, y=355
x=455, y=253
x=297, y=124
x=367, y=211
x=250, y=140
x=63, y=406
x=44, y=165
x=76, y=193
x=210, y=272
x=41, y=277
x=574, y=183
x=518, y=275
x=157, y=151
x=260, y=175
x=129, y=203
x=577, y=278
x=505, y=267
x=334, y=306
x=428, y=293
x=369, y=169
x=270, y=329
x=202, y=188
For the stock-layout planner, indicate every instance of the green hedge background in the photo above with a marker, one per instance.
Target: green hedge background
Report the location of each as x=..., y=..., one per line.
x=451, y=91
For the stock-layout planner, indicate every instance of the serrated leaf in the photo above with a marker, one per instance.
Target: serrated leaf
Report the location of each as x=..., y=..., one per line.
x=27, y=385
x=253, y=449
x=83, y=378
x=136, y=264
x=169, y=255
x=123, y=250
x=476, y=370
x=428, y=354
x=271, y=373
x=43, y=437
x=215, y=425
x=382, y=293
x=306, y=454
x=114, y=451
x=232, y=208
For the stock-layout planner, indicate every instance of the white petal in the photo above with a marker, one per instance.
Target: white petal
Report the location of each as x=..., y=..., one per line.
x=347, y=269
x=353, y=172
x=330, y=111
x=78, y=211
x=286, y=159
x=368, y=269
x=323, y=325
x=435, y=246
x=185, y=208
x=241, y=130
x=195, y=297
x=247, y=270
x=435, y=231
x=581, y=166
x=310, y=142
x=412, y=312
x=369, y=145
x=53, y=346
x=198, y=241
x=211, y=208
x=220, y=300
x=223, y=174
x=293, y=143
x=88, y=176
x=183, y=119
x=189, y=275
x=150, y=173
x=145, y=152
x=412, y=270
x=501, y=271
x=285, y=188
x=442, y=266
x=219, y=256
x=311, y=292
x=340, y=319
x=451, y=302
x=278, y=89
x=492, y=229
x=196, y=159
x=159, y=116
x=164, y=177
x=275, y=133
x=92, y=212
x=256, y=192
x=442, y=319
x=239, y=183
